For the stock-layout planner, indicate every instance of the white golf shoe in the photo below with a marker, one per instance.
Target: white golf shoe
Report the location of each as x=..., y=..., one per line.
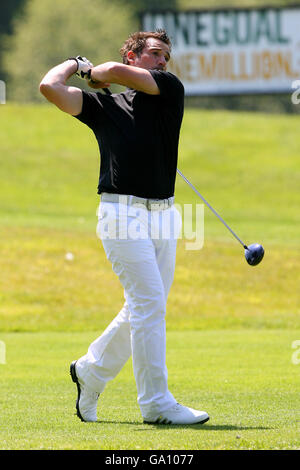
x=179, y=414
x=87, y=399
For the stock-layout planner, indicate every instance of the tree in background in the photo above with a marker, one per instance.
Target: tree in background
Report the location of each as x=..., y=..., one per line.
x=7, y=11
x=141, y=5
x=52, y=30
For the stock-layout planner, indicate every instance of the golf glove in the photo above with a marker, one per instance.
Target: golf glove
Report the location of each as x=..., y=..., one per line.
x=83, y=66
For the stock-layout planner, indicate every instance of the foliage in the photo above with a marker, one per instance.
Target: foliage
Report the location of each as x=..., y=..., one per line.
x=50, y=31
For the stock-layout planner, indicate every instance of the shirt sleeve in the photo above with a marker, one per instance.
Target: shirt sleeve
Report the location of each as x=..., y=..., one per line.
x=92, y=109
x=169, y=85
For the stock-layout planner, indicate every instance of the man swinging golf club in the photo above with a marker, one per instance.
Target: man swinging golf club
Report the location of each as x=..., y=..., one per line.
x=138, y=133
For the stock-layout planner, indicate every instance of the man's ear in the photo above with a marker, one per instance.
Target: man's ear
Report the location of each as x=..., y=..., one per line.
x=131, y=57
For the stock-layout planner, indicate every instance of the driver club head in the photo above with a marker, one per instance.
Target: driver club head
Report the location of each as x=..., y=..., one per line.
x=254, y=254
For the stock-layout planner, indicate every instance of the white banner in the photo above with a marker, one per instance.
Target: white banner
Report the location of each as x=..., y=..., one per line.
x=232, y=51
x=2, y=92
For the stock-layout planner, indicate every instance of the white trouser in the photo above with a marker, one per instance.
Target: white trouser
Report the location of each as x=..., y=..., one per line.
x=145, y=266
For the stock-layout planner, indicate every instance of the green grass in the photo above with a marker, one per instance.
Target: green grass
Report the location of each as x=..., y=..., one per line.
x=244, y=379
x=230, y=326
x=213, y=288
x=246, y=165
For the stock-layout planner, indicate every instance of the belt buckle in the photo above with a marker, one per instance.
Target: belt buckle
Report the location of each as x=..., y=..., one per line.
x=149, y=204
x=157, y=205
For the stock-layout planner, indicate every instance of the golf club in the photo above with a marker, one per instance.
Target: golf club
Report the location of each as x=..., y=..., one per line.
x=253, y=253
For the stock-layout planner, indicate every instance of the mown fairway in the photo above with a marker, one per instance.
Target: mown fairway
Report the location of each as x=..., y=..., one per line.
x=230, y=325
x=244, y=379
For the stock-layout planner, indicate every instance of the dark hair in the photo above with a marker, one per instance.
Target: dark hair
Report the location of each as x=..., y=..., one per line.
x=137, y=41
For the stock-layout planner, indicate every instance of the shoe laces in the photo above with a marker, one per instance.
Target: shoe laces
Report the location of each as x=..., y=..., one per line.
x=94, y=395
x=91, y=394
x=177, y=408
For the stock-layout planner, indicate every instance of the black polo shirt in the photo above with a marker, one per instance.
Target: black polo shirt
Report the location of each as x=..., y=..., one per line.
x=138, y=136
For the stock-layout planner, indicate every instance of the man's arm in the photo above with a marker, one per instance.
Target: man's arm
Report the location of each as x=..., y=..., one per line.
x=127, y=75
x=53, y=87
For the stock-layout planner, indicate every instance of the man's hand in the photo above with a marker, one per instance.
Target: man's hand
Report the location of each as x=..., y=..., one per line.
x=83, y=66
x=97, y=85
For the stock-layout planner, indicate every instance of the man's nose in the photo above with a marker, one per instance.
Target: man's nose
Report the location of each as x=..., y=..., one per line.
x=162, y=61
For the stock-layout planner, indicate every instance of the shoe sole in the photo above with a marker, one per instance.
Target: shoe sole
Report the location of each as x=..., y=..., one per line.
x=165, y=421
x=75, y=380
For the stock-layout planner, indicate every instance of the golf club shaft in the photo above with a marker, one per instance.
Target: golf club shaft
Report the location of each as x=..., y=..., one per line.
x=211, y=208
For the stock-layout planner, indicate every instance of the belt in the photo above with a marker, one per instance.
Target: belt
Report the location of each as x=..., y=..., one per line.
x=150, y=204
